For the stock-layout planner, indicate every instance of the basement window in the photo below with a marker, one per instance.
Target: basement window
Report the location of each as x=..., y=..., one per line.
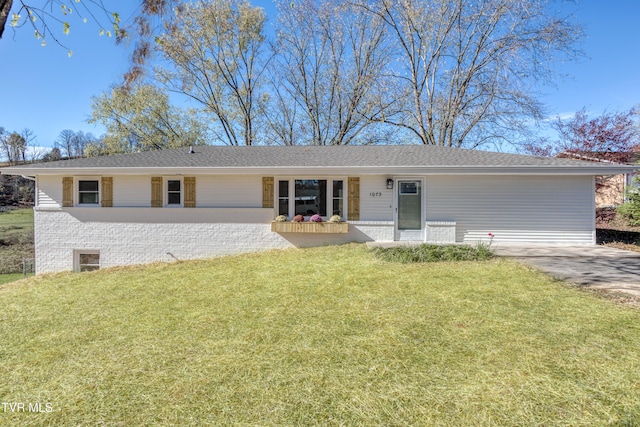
x=87, y=260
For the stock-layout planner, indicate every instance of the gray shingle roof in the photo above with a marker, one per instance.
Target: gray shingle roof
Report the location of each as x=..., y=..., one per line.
x=278, y=157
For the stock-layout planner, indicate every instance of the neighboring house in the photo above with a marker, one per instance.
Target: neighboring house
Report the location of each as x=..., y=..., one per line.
x=210, y=201
x=610, y=189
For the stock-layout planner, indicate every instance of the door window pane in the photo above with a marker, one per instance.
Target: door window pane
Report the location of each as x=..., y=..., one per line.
x=409, y=206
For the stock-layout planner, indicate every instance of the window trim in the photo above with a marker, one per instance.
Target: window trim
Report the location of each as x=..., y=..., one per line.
x=165, y=191
x=76, y=191
x=77, y=253
x=329, y=199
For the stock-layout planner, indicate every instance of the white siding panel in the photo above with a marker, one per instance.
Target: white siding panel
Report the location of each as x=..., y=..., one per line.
x=132, y=191
x=375, y=200
x=515, y=209
x=229, y=191
x=50, y=191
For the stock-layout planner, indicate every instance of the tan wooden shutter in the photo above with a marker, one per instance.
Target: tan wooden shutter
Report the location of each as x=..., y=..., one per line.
x=267, y=192
x=107, y=192
x=189, y=191
x=353, y=203
x=156, y=192
x=67, y=191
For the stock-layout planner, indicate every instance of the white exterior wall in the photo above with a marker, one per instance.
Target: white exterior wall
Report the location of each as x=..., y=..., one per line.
x=129, y=191
x=238, y=191
x=376, y=202
x=516, y=209
x=241, y=191
x=229, y=218
x=127, y=236
x=49, y=191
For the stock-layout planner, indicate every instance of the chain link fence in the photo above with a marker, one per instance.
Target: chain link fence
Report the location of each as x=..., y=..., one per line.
x=28, y=267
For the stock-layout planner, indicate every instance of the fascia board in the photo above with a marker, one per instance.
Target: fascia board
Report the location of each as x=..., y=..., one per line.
x=319, y=170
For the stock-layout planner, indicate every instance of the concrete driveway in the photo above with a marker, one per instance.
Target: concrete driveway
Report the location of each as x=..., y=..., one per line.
x=599, y=267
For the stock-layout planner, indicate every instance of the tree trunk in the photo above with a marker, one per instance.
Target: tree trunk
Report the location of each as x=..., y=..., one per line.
x=5, y=7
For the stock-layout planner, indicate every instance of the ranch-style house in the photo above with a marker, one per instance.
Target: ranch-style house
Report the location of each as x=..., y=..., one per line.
x=208, y=201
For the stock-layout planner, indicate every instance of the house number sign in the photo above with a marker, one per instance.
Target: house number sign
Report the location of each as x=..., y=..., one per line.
x=375, y=194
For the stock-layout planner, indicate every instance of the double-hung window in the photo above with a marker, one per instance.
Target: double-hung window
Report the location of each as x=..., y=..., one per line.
x=174, y=192
x=88, y=192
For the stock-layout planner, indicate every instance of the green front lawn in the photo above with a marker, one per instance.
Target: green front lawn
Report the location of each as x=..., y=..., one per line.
x=323, y=336
x=16, y=240
x=6, y=278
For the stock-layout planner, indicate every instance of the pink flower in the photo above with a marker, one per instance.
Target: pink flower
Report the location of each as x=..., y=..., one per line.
x=315, y=218
x=490, y=235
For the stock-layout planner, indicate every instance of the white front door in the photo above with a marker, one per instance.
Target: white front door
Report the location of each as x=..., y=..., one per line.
x=409, y=223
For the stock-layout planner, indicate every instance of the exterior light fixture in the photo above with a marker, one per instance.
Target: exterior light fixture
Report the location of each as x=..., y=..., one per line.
x=389, y=183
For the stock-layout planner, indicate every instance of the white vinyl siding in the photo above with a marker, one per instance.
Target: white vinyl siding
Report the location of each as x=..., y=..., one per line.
x=237, y=191
x=49, y=191
x=527, y=209
x=131, y=191
x=375, y=200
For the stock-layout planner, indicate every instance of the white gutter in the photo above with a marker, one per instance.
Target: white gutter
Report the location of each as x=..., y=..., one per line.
x=596, y=169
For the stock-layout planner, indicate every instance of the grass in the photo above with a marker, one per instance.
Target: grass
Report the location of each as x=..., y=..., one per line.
x=435, y=253
x=16, y=239
x=6, y=278
x=322, y=336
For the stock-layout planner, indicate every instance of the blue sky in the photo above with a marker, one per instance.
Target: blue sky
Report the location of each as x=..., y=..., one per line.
x=46, y=91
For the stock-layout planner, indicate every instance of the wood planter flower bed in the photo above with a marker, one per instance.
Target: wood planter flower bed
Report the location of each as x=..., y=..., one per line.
x=309, y=227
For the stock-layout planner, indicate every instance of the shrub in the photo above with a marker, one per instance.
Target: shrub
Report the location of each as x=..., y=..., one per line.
x=435, y=253
x=631, y=209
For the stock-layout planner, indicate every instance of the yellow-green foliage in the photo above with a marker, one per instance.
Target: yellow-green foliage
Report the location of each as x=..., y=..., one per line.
x=323, y=336
x=631, y=208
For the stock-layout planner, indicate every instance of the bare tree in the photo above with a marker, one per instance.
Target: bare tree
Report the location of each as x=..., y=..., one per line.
x=13, y=146
x=468, y=69
x=214, y=56
x=29, y=140
x=64, y=143
x=327, y=86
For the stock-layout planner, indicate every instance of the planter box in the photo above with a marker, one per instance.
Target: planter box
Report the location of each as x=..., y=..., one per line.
x=309, y=227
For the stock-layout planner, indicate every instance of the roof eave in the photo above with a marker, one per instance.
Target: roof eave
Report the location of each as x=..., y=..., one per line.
x=596, y=169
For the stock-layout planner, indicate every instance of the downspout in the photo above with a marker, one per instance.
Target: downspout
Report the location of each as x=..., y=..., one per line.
x=624, y=189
